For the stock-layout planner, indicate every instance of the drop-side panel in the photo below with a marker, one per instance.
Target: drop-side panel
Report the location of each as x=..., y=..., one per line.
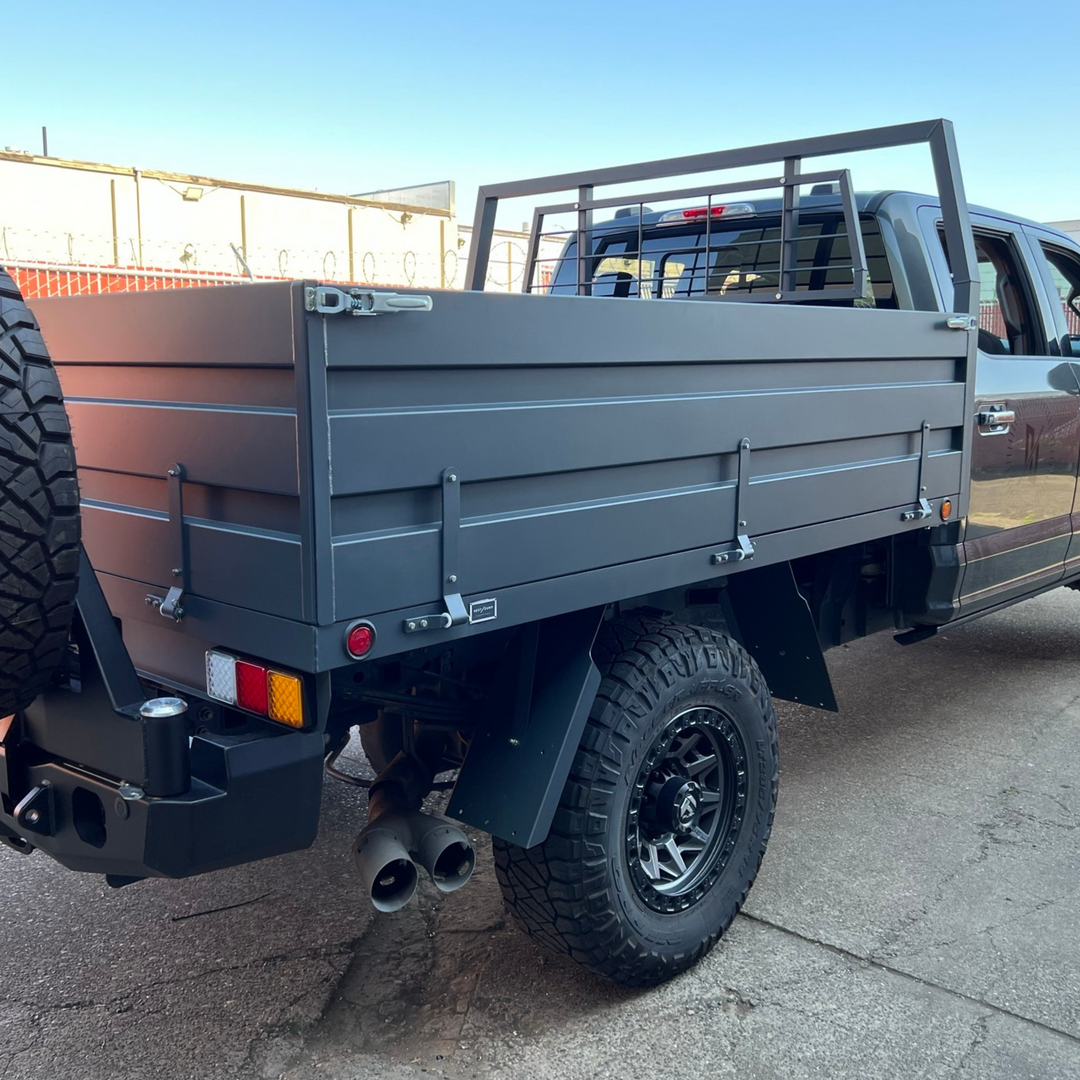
x=206, y=379
x=587, y=433
x=590, y=432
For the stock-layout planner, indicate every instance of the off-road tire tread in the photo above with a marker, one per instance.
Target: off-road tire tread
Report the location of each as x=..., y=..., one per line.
x=39, y=508
x=558, y=891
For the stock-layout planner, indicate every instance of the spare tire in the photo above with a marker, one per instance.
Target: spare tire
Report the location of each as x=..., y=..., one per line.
x=39, y=508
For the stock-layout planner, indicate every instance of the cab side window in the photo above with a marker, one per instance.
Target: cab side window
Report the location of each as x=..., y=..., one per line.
x=1006, y=312
x=1065, y=270
x=1006, y=322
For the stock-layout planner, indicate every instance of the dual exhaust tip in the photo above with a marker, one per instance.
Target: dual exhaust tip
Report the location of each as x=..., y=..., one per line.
x=389, y=850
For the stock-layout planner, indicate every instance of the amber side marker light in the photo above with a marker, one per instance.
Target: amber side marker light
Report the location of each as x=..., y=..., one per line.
x=946, y=509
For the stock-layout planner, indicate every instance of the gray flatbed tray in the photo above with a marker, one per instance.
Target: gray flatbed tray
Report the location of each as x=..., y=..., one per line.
x=596, y=442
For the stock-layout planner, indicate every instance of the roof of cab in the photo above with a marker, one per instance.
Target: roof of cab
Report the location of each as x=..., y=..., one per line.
x=870, y=202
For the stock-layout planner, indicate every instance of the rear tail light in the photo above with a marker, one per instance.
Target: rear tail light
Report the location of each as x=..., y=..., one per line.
x=692, y=213
x=251, y=692
x=221, y=676
x=254, y=687
x=285, y=698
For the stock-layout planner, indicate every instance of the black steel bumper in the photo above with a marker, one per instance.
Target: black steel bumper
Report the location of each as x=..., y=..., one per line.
x=91, y=781
x=247, y=797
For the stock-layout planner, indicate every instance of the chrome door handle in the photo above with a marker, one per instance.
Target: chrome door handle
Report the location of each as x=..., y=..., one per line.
x=995, y=416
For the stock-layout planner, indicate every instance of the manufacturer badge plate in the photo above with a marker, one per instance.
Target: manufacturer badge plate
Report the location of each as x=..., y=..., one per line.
x=483, y=610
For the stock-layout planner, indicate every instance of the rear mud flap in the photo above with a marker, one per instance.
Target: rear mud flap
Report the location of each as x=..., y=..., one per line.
x=517, y=765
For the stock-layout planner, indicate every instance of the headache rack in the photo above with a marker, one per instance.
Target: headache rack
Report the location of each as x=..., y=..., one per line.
x=938, y=134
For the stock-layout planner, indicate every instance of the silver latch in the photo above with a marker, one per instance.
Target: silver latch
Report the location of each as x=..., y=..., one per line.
x=962, y=322
x=456, y=613
x=923, y=509
x=923, y=512
x=325, y=300
x=744, y=546
x=169, y=605
x=744, y=549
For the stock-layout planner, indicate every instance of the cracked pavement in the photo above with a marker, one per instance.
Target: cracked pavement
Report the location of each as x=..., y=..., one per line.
x=917, y=915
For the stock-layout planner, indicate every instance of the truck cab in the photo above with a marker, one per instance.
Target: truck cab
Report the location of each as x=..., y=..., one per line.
x=732, y=251
x=1018, y=536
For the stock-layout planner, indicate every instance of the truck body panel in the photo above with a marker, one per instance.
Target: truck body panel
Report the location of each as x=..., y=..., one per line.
x=588, y=433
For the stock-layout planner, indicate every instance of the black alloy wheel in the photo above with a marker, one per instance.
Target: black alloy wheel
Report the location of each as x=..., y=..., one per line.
x=687, y=809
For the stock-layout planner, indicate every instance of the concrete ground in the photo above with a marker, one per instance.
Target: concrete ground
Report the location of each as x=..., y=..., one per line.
x=917, y=915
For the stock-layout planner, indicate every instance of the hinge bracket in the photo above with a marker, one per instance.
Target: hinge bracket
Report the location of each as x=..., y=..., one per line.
x=326, y=300
x=924, y=509
x=744, y=547
x=456, y=613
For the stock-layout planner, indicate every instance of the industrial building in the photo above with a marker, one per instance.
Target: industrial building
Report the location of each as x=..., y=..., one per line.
x=72, y=227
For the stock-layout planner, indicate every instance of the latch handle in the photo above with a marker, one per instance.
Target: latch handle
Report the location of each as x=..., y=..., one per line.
x=326, y=300
x=744, y=546
x=456, y=613
x=171, y=605
x=923, y=509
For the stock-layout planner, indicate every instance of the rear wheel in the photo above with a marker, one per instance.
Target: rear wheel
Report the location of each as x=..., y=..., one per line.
x=39, y=508
x=664, y=820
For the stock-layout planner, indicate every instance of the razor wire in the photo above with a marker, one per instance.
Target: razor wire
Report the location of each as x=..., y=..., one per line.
x=87, y=262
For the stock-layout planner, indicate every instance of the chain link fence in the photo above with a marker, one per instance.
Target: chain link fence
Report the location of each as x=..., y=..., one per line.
x=48, y=264
x=75, y=264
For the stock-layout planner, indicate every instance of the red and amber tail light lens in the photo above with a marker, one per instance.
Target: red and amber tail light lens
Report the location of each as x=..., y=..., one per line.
x=254, y=687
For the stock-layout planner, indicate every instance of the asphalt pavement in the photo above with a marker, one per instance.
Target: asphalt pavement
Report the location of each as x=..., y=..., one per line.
x=917, y=915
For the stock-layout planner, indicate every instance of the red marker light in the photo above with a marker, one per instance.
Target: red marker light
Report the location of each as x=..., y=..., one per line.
x=359, y=639
x=693, y=212
x=251, y=692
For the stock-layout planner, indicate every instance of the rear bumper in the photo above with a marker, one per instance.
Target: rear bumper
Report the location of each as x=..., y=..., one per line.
x=245, y=797
x=90, y=780
x=249, y=797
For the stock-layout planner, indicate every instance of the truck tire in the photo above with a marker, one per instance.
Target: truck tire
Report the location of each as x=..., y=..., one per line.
x=39, y=508
x=677, y=767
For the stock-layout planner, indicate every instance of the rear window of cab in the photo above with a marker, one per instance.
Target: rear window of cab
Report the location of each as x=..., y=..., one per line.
x=734, y=258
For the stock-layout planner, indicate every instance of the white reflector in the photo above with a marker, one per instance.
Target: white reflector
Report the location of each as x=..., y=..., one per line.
x=221, y=676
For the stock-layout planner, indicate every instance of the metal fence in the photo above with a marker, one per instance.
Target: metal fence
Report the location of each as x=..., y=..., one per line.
x=48, y=263
x=72, y=264
x=39, y=280
x=991, y=319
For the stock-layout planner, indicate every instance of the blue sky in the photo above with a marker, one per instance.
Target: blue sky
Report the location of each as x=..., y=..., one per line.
x=352, y=97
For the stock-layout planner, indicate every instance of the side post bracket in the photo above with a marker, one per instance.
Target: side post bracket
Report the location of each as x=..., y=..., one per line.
x=455, y=613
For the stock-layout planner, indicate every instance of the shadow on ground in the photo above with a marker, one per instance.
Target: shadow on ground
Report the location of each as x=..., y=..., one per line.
x=916, y=916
